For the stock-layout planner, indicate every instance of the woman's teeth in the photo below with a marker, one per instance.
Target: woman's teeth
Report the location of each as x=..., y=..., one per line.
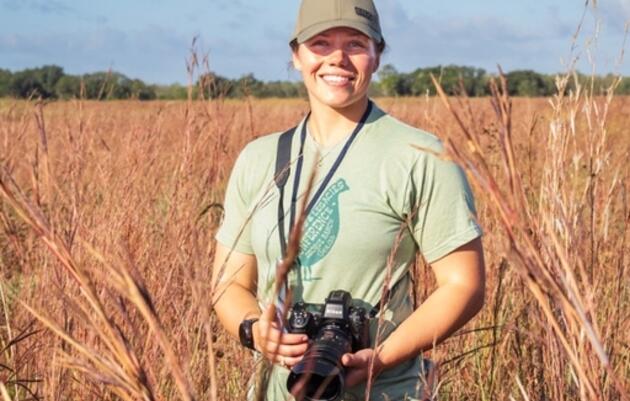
x=336, y=79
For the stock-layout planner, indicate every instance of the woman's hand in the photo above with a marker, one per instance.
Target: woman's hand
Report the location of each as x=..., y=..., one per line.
x=285, y=349
x=358, y=366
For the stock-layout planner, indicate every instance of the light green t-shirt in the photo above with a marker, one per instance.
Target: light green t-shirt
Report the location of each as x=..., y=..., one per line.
x=391, y=181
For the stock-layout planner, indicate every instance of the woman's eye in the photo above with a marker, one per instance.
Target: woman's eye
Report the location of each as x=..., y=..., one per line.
x=357, y=44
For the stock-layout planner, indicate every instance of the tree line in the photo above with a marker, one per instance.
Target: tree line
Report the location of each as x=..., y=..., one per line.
x=459, y=80
x=51, y=82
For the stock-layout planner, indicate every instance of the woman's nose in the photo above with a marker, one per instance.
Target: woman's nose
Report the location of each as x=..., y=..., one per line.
x=337, y=57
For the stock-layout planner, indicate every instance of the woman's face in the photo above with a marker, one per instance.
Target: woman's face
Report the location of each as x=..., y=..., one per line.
x=337, y=66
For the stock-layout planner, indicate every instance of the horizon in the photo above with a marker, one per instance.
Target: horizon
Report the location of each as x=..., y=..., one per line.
x=151, y=40
x=376, y=78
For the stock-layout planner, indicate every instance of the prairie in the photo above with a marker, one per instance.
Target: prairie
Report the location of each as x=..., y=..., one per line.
x=108, y=211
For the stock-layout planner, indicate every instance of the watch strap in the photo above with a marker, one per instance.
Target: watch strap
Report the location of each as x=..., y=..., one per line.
x=246, y=333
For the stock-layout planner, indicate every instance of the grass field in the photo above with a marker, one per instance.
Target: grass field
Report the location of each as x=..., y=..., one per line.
x=107, y=216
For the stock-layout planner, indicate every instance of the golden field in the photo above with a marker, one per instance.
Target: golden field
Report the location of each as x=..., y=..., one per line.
x=107, y=216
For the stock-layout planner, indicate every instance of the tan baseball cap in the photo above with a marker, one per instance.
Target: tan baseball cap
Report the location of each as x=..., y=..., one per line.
x=316, y=16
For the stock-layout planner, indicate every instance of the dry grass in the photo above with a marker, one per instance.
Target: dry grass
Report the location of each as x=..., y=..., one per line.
x=108, y=211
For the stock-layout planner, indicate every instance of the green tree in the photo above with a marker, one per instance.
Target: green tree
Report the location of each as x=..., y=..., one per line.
x=455, y=80
x=68, y=87
x=528, y=83
x=247, y=85
x=393, y=83
x=449, y=78
x=624, y=86
x=475, y=81
x=214, y=86
x=24, y=84
x=281, y=89
x=421, y=82
x=142, y=91
x=48, y=76
x=5, y=79
x=95, y=85
x=118, y=86
x=171, y=92
x=39, y=82
x=107, y=85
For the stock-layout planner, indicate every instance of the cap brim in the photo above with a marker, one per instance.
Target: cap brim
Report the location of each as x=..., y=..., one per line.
x=313, y=30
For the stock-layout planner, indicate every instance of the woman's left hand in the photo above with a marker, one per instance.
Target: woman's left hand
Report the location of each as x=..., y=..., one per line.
x=358, y=366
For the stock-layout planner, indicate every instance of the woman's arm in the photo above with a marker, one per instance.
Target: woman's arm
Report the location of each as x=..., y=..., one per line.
x=234, y=283
x=460, y=295
x=234, y=299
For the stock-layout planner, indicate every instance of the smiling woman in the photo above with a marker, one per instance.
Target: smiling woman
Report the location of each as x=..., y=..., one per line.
x=377, y=200
x=337, y=67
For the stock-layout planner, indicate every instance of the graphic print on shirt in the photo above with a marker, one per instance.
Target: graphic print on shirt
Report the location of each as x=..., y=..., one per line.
x=321, y=229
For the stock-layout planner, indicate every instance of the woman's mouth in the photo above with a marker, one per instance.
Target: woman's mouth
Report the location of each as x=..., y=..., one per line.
x=336, y=80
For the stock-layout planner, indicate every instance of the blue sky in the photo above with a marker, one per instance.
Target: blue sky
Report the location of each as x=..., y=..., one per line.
x=150, y=39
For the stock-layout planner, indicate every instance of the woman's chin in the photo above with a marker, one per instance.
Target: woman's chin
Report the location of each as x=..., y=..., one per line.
x=342, y=102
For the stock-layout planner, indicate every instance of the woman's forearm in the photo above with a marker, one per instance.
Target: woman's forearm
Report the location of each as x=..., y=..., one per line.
x=234, y=304
x=234, y=283
x=459, y=296
x=445, y=311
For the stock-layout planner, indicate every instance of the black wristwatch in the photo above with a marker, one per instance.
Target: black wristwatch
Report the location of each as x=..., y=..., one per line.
x=246, y=334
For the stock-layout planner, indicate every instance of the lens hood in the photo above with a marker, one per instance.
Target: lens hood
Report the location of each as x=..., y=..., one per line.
x=316, y=379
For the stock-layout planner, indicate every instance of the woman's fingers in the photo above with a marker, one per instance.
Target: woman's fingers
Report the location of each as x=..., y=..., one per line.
x=276, y=336
x=269, y=332
x=274, y=341
x=286, y=350
x=286, y=361
x=282, y=348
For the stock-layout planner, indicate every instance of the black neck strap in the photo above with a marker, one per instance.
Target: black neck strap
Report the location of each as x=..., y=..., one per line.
x=283, y=161
x=281, y=176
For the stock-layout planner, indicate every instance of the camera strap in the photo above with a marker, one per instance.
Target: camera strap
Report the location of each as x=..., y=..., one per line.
x=281, y=176
x=283, y=169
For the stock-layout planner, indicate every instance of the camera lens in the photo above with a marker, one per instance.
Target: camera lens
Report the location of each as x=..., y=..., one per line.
x=319, y=376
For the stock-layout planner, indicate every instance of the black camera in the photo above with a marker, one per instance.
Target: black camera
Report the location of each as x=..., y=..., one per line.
x=335, y=328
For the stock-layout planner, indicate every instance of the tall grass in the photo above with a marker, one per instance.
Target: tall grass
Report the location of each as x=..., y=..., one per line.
x=557, y=231
x=108, y=212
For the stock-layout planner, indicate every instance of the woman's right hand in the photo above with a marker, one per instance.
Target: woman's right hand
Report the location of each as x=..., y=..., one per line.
x=284, y=349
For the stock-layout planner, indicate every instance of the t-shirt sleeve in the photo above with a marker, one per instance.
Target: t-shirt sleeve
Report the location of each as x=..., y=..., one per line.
x=235, y=230
x=445, y=216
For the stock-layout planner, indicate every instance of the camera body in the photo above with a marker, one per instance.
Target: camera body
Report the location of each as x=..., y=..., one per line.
x=337, y=312
x=335, y=328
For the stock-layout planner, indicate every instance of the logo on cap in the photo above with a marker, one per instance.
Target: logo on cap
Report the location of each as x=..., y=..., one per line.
x=364, y=13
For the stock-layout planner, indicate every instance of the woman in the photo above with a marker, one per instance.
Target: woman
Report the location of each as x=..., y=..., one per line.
x=381, y=192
